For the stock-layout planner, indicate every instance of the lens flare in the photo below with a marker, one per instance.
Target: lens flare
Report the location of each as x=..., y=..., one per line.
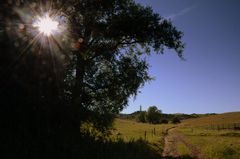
x=46, y=25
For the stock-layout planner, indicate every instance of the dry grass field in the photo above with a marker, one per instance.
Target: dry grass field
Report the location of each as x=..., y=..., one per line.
x=211, y=137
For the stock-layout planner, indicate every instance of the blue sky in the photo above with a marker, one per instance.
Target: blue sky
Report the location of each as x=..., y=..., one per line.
x=209, y=80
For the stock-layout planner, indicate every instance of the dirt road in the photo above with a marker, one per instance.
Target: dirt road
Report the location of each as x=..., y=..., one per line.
x=172, y=138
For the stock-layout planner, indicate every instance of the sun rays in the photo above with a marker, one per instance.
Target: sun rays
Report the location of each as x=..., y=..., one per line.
x=46, y=25
x=40, y=29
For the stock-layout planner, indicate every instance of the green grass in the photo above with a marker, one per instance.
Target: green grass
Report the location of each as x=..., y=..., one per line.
x=130, y=130
x=128, y=139
x=220, y=119
x=217, y=147
x=213, y=143
x=182, y=149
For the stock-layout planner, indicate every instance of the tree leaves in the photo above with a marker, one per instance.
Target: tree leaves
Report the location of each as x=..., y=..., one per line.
x=105, y=67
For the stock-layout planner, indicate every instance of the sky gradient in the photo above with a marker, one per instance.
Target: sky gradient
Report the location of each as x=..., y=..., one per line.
x=209, y=80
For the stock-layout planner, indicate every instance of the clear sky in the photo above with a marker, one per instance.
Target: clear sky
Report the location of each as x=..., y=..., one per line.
x=209, y=81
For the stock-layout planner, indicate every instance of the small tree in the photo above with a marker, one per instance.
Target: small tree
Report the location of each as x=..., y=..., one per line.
x=153, y=115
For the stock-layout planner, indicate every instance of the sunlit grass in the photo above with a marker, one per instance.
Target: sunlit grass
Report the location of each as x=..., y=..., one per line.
x=129, y=130
x=208, y=132
x=213, y=143
x=221, y=119
x=182, y=149
x=216, y=147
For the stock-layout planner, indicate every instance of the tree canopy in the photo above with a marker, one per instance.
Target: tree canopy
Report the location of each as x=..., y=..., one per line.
x=89, y=72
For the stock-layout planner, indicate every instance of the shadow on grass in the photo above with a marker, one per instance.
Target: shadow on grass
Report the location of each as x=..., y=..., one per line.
x=119, y=149
x=76, y=147
x=180, y=157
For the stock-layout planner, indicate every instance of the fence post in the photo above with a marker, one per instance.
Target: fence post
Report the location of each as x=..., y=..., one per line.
x=145, y=135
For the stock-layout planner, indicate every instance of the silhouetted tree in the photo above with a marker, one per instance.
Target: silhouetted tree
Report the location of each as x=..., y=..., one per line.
x=109, y=63
x=104, y=67
x=153, y=115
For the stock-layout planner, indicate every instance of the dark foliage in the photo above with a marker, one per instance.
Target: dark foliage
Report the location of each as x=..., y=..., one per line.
x=176, y=120
x=163, y=116
x=163, y=121
x=142, y=117
x=100, y=72
x=47, y=90
x=153, y=115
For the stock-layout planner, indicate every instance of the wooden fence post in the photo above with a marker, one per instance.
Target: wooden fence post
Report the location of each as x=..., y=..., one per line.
x=145, y=135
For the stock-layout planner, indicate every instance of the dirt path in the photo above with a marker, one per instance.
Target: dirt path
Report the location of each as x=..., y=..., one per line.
x=170, y=144
x=195, y=152
x=171, y=139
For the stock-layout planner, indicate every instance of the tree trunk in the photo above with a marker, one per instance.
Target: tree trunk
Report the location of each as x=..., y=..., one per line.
x=78, y=90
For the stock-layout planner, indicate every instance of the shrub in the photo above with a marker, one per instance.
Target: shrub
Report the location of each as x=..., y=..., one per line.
x=163, y=121
x=176, y=120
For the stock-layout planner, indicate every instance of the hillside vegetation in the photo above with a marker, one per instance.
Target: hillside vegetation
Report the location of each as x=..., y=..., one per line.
x=163, y=116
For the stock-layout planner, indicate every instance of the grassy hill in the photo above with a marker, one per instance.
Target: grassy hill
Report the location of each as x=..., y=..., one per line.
x=216, y=136
x=192, y=138
x=210, y=136
x=221, y=120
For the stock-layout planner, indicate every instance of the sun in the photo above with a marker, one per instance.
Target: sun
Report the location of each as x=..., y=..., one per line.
x=46, y=25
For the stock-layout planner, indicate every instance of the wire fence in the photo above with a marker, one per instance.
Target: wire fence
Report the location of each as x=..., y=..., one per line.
x=232, y=126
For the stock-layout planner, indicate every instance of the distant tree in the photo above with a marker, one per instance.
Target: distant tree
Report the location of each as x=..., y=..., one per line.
x=142, y=117
x=153, y=115
x=176, y=120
